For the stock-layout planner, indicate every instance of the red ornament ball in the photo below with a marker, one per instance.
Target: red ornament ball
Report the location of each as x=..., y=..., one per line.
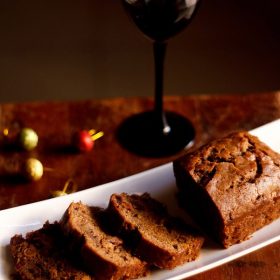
x=82, y=141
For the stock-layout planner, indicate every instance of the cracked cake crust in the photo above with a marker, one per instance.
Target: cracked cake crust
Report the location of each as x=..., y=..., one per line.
x=231, y=186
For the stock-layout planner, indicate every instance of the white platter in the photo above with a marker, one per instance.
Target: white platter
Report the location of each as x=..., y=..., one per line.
x=160, y=183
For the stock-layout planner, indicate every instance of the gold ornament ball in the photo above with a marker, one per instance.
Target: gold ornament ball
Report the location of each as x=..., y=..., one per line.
x=33, y=169
x=58, y=193
x=28, y=139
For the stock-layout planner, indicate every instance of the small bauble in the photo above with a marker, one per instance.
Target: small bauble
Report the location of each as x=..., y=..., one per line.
x=82, y=141
x=28, y=139
x=33, y=169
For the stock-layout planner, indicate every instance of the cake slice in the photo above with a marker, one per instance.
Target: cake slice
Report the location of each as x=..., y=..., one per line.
x=159, y=239
x=42, y=255
x=231, y=186
x=103, y=254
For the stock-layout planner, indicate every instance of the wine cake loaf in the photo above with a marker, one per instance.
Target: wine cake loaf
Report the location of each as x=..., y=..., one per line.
x=103, y=254
x=42, y=255
x=157, y=238
x=231, y=186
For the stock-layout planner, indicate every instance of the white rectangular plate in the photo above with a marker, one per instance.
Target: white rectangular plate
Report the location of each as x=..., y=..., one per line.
x=160, y=183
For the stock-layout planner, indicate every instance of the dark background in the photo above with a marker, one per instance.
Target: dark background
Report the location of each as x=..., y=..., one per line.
x=54, y=50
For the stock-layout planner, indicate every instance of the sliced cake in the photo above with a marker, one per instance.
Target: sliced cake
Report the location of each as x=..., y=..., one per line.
x=159, y=239
x=103, y=254
x=42, y=255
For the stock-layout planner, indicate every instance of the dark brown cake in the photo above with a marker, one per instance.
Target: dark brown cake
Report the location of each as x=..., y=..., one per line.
x=158, y=239
x=103, y=254
x=41, y=255
x=231, y=186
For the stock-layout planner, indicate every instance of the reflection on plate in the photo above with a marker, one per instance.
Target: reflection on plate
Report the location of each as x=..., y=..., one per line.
x=160, y=183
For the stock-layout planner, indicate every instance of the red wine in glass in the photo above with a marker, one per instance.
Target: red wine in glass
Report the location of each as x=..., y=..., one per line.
x=158, y=133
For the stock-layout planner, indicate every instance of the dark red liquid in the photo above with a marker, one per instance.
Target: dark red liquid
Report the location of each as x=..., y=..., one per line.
x=161, y=19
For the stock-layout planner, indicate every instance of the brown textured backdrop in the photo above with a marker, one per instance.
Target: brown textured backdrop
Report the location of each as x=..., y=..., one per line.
x=89, y=49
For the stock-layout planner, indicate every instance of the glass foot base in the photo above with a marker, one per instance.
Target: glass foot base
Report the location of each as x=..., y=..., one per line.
x=142, y=135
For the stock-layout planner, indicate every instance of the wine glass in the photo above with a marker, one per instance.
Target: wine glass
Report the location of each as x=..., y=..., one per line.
x=158, y=133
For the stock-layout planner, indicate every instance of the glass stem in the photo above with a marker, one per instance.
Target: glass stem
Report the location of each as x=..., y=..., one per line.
x=159, y=56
